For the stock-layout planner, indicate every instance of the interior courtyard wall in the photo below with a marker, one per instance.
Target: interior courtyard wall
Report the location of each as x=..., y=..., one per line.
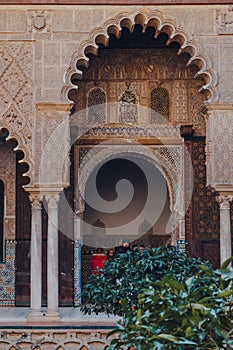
x=37, y=46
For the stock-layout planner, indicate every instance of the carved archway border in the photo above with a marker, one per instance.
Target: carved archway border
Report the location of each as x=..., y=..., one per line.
x=20, y=147
x=97, y=155
x=161, y=23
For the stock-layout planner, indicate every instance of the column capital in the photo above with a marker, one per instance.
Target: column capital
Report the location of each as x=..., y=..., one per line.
x=224, y=201
x=52, y=200
x=35, y=200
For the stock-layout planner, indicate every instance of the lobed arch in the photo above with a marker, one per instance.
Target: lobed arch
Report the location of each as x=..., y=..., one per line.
x=161, y=23
x=12, y=135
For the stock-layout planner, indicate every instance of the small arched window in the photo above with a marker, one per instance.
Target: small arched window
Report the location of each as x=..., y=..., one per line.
x=96, y=106
x=159, y=103
x=1, y=219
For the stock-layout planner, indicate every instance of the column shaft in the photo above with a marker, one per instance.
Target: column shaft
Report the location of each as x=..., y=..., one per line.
x=52, y=257
x=36, y=259
x=225, y=228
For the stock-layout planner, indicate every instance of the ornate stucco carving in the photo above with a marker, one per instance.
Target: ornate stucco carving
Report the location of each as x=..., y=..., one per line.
x=16, y=95
x=224, y=21
x=141, y=87
x=52, y=144
x=39, y=21
x=219, y=145
x=161, y=23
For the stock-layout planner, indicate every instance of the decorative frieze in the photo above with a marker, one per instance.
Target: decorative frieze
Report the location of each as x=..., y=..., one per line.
x=62, y=339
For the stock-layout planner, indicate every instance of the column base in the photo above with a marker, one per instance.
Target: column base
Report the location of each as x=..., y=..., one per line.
x=34, y=315
x=52, y=315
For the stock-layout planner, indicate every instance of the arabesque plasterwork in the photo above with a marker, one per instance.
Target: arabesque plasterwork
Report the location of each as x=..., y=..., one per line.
x=161, y=23
x=16, y=95
x=219, y=145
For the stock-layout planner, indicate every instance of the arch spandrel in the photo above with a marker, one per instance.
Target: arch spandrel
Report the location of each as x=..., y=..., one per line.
x=161, y=23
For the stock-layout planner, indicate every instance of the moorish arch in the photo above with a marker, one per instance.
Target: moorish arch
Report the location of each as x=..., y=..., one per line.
x=21, y=146
x=161, y=24
x=167, y=159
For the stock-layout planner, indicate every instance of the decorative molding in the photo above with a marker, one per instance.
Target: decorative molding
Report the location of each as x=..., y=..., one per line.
x=116, y=130
x=62, y=339
x=161, y=23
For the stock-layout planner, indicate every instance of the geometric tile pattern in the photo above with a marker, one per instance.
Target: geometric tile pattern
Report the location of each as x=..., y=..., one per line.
x=7, y=276
x=77, y=272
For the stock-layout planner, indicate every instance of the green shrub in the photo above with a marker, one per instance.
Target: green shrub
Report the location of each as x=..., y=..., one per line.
x=187, y=314
x=129, y=274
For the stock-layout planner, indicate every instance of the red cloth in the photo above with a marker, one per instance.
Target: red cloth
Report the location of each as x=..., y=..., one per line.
x=98, y=262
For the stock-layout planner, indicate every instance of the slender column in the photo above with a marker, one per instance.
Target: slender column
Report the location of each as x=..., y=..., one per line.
x=225, y=227
x=36, y=258
x=52, y=257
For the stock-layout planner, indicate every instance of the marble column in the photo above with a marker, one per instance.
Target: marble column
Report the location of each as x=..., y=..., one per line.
x=52, y=257
x=36, y=258
x=225, y=227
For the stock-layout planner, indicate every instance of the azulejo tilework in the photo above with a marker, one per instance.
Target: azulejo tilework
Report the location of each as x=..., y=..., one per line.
x=7, y=276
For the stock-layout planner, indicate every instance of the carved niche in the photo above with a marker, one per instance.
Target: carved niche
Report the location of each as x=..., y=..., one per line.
x=149, y=85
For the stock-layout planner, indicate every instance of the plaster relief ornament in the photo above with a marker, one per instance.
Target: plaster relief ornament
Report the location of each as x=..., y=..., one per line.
x=128, y=106
x=38, y=21
x=224, y=21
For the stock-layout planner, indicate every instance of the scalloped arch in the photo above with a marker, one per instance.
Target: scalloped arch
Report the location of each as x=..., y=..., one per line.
x=161, y=23
x=20, y=147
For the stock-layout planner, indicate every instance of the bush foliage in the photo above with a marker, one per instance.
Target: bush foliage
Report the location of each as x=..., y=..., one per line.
x=129, y=274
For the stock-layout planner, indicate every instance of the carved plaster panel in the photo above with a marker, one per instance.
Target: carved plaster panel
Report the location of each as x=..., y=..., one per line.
x=219, y=147
x=16, y=93
x=130, y=77
x=39, y=21
x=52, y=144
x=161, y=23
x=224, y=21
